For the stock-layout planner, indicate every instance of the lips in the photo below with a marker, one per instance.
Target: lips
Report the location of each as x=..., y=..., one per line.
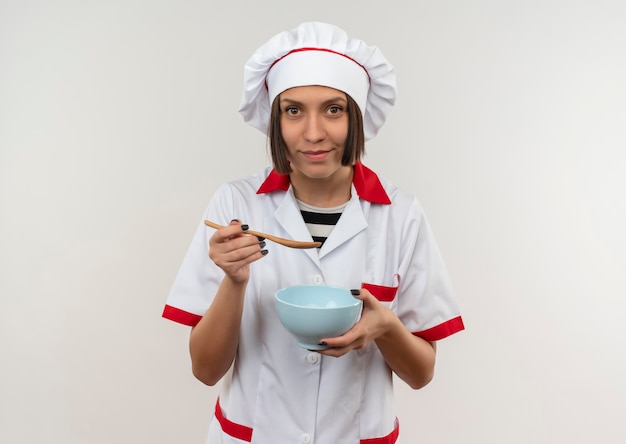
x=315, y=155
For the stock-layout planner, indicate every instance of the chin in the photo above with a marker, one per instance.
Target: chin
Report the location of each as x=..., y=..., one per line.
x=318, y=171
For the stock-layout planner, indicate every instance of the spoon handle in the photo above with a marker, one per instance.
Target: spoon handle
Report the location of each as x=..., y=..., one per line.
x=279, y=240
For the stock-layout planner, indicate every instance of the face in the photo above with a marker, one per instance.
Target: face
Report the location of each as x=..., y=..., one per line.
x=314, y=126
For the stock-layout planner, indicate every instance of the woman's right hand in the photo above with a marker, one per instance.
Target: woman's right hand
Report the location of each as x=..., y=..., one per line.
x=213, y=341
x=233, y=250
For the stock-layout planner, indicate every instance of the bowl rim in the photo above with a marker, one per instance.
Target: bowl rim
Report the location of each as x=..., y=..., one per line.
x=357, y=302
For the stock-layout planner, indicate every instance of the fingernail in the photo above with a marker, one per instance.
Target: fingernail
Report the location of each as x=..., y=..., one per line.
x=355, y=292
x=260, y=238
x=235, y=220
x=264, y=252
x=262, y=244
x=322, y=343
x=244, y=227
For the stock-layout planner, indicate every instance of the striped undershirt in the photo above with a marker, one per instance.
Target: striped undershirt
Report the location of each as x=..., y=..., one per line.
x=320, y=221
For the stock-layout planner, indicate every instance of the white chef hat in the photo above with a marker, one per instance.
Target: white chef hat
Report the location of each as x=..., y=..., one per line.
x=318, y=54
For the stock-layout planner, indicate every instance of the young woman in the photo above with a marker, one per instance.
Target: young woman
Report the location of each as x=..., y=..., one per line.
x=318, y=95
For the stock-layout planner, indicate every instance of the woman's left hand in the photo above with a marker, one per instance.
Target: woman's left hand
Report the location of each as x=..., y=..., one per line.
x=374, y=322
x=410, y=357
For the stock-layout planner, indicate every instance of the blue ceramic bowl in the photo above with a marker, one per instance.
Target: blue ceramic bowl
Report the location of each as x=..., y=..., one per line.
x=313, y=312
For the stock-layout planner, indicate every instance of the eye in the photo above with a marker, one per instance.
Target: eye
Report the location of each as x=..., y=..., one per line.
x=292, y=111
x=334, y=109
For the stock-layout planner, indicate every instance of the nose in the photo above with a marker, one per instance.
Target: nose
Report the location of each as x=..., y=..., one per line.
x=314, y=131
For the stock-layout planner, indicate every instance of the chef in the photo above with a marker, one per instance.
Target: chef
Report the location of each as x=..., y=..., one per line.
x=318, y=95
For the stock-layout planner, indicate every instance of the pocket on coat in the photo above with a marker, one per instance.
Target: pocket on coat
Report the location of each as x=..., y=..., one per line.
x=382, y=292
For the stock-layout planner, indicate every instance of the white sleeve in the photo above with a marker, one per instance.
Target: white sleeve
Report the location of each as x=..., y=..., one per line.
x=198, y=278
x=426, y=302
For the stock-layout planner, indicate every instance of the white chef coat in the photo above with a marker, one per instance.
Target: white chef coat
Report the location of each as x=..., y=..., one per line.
x=277, y=392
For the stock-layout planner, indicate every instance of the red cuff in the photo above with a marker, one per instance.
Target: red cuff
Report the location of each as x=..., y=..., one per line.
x=442, y=330
x=181, y=316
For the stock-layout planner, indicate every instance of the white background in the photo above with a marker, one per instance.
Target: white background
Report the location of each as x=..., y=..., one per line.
x=118, y=119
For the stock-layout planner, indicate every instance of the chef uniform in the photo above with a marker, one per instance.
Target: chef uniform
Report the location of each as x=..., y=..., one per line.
x=275, y=391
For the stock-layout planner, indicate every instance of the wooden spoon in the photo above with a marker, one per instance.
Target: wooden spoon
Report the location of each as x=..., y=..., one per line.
x=279, y=240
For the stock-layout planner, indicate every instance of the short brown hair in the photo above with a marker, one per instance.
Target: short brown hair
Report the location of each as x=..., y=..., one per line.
x=353, y=149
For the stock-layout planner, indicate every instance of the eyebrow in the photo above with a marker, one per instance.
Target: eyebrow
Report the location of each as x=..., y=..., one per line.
x=326, y=102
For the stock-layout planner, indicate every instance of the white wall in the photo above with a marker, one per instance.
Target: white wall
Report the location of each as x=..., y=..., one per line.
x=118, y=119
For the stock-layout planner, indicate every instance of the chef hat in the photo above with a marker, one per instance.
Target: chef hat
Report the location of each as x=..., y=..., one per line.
x=318, y=54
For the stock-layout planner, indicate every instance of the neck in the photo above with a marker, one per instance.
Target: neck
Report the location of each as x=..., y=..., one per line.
x=323, y=192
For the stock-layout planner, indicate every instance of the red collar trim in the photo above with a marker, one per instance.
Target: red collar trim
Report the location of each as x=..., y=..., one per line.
x=366, y=183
